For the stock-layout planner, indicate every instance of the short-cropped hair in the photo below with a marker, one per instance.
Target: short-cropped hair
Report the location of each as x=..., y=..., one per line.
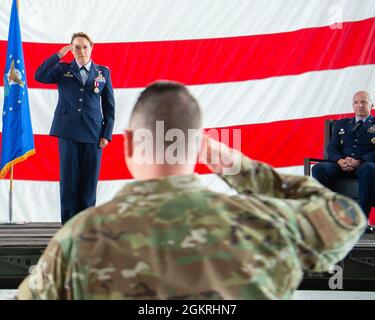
x=83, y=35
x=167, y=101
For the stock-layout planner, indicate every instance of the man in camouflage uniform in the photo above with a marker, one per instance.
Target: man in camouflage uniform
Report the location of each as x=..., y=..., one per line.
x=165, y=236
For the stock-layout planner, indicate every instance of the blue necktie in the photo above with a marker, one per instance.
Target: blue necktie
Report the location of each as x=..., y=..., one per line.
x=84, y=76
x=357, y=127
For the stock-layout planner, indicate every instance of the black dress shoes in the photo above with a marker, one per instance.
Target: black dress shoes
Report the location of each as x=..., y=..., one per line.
x=370, y=229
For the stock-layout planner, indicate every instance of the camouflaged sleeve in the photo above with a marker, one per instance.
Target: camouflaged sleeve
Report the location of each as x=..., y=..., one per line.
x=255, y=177
x=330, y=225
x=323, y=225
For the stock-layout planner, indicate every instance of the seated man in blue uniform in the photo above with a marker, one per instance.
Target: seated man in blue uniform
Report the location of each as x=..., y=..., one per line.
x=352, y=152
x=83, y=121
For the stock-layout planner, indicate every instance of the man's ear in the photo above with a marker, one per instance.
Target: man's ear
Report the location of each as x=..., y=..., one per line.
x=128, y=143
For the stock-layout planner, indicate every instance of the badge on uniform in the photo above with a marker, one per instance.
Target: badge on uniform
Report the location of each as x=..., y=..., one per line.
x=373, y=140
x=96, y=86
x=97, y=80
x=100, y=77
x=342, y=131
x=68, y=74
x=371, y=129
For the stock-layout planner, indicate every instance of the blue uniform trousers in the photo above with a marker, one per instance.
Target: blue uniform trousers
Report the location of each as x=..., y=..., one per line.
x=326, y=172
x=79, y=173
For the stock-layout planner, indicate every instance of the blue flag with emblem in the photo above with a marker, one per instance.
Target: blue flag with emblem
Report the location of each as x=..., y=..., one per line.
x=17, y=135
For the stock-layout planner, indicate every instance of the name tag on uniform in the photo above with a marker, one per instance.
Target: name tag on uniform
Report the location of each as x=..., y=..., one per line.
x=371, y=129
x=68, y=75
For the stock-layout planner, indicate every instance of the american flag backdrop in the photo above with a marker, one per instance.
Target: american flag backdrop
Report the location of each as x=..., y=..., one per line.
x=276, y=69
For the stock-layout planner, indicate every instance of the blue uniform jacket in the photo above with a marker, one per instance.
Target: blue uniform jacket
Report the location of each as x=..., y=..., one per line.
x=81, y=114
x=344, y=142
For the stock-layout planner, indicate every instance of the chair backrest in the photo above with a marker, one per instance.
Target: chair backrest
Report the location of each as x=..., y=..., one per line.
x=328, y=131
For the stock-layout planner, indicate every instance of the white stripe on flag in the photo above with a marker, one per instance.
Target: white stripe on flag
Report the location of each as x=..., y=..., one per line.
x=151, y=20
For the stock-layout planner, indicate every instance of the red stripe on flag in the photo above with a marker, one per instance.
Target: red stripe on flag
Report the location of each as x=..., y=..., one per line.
x=217, y=60
x=282, y=144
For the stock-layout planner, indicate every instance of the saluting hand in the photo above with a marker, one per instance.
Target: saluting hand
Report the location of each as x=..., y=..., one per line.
x=64, y=50
x=220, y=158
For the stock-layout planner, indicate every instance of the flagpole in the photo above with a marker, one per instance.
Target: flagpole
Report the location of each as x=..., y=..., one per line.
x=11, y=195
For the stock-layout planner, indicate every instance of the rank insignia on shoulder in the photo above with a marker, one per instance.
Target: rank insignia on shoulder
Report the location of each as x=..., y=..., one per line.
x=371, y=129
x=68, y=74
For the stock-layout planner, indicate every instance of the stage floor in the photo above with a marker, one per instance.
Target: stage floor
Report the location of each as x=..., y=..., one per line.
x=27, y=234
x=38, y=235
